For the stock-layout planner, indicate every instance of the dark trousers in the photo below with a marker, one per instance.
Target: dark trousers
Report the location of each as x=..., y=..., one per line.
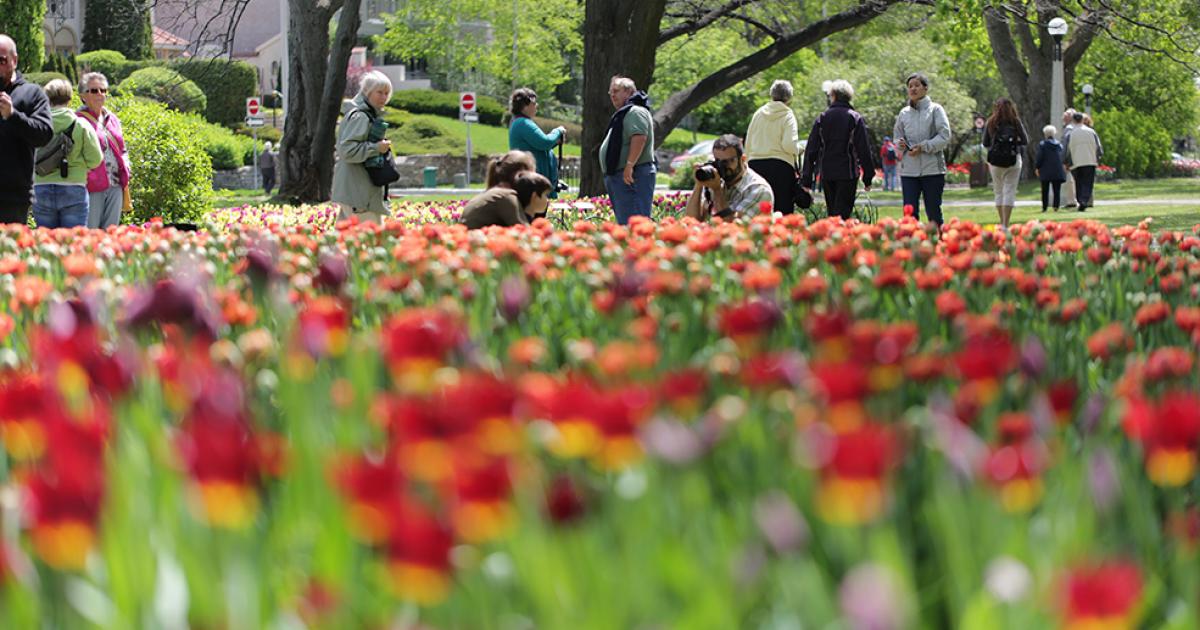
x=930, y=187
x=782, y=178
x=1047, y=188
x=268, y=176
x=1085, y=180
x=839, y=197
x=18, y=214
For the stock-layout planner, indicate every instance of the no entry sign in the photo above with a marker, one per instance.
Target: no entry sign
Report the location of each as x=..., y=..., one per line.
x=252, y=106
x=466, y=102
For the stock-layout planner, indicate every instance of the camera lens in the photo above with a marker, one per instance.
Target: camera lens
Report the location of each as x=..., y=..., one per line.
x=705, y=173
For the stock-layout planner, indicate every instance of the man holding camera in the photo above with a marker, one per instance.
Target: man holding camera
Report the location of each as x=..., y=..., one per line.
x=726, y=187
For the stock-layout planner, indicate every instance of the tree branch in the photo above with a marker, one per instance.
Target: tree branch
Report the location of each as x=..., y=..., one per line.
x=767, y=30
x=684, y=101
x=700, y=21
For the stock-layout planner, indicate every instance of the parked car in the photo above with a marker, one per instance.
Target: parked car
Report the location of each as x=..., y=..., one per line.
x=698, y=149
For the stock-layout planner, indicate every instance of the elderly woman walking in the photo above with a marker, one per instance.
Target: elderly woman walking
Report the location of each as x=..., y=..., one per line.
x=60, y=196
x=772, y=142
x=108, y=183
x=839, y=148
x=922, y=133
x=360, y=143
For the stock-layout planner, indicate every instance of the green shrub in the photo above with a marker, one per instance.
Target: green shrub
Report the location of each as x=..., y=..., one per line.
x=171, y=173
x=165, y=86
x=491, y=112
x=265, y=133
x=574, y=131
x=1135, y=143
x=42, y=78
x=682, y=179
x=226, y=148
x=227, y=84
x=110, y=63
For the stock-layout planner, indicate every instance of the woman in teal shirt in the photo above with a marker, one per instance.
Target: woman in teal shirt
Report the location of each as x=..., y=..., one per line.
x=525, y=135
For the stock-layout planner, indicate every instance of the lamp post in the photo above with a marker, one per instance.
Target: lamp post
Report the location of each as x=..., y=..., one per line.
x=1087, y=97
x=1058, y=93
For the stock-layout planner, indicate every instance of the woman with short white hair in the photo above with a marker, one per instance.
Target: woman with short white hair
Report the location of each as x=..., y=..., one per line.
x=361, y=144
x=108, y=183
x=839, y=150
x=1048, y=166
x=772, y=146
x=60, y=196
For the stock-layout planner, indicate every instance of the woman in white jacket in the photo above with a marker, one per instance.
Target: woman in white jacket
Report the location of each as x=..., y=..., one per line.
x=921, y=134
x=771, y=145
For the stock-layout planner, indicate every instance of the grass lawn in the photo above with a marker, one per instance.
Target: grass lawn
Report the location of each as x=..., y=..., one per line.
x=1170, y=188
x=1166, y=217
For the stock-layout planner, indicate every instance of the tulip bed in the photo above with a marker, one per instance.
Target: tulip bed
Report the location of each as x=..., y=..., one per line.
x=761, y=424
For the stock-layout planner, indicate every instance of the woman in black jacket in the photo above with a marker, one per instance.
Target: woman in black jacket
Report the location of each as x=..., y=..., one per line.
x=1048, y=166
x=839, y=148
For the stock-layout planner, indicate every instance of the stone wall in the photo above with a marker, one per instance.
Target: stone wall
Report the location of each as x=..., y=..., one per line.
x=234, y=179
x=410, y=167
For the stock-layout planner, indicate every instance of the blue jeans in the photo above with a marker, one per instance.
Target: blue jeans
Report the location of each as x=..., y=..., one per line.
x=930, y=187
x=889, y=177
x=60, y=205
x=630, y=201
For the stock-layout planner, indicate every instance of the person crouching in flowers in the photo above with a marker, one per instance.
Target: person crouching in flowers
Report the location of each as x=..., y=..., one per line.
x=726, y=187
x=515, y=204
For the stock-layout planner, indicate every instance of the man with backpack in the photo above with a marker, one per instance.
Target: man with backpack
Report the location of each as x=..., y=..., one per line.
x=24, y=126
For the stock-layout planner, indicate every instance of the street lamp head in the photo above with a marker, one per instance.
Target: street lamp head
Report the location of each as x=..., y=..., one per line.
x=1057, y=28
x=1088, y=89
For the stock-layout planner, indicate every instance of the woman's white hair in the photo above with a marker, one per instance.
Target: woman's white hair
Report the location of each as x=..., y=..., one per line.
x=781, y=91
x=839, y=89
x=374, y=80
x=1049, y=131
x=86, y=79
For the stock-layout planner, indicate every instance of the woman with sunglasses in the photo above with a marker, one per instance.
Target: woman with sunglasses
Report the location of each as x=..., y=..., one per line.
x=108, y=183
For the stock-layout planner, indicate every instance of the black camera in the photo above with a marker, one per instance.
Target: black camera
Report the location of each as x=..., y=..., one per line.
x=707, y=171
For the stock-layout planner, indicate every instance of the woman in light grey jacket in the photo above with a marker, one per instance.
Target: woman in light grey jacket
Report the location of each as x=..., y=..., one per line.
x=921, y=134
x=352, y=187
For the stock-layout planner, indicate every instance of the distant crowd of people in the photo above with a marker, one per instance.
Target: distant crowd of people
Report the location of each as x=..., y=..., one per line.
x=71, y=167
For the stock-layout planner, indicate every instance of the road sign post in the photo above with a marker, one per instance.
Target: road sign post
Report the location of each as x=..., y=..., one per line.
x=469, y=114
x=254, y=121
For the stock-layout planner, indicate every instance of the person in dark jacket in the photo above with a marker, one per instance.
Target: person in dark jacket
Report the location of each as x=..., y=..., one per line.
x=1048, y=166
x=840, y=150
x=24, y=126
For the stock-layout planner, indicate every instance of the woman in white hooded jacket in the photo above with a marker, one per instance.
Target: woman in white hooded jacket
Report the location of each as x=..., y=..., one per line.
x=921, y=134
x=772, y=145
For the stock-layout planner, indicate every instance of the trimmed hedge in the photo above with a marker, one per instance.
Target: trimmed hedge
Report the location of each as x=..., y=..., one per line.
x=42, y=78
x=491, y=112
x=111, y=63
x=1135, y=143
x=165, y=86
x=171, y=173
x=227, y=84
x=63, y=63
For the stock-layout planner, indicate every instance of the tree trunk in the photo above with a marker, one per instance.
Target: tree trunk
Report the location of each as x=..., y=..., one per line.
x=619, y=37
x=317, y=79
x=1028, y=72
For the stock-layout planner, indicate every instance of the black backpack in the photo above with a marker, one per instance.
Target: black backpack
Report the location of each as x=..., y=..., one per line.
x=1003, y=151
x=891, y=153
x=54, y=155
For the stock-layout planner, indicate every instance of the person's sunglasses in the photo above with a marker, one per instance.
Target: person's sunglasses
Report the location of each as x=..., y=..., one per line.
x=96, y=91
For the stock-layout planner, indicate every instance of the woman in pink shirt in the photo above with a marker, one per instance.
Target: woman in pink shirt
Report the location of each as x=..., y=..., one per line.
x=108, y=183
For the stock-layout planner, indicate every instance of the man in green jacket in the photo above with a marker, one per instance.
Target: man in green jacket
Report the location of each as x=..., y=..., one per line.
x=60, y=199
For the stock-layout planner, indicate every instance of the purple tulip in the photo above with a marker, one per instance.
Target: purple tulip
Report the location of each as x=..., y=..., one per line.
x=514, y=297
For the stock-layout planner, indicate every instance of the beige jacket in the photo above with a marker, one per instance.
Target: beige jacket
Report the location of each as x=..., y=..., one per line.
x=351, y=184
x=1082, y=147
x=772, y=134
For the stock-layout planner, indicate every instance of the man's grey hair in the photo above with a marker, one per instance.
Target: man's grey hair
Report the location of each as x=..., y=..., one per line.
x=92, y=76
x=59, y=91
x=781, y=91
x=1049, y=131
x=839, y=89
x=625, y=83
x=1068, y=114
x=374, y=80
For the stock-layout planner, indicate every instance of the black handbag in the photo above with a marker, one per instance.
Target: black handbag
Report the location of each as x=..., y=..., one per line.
x=802, y=198
x=383, y=172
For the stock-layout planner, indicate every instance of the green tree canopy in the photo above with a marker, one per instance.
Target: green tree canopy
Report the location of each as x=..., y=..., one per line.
x=22, y=21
